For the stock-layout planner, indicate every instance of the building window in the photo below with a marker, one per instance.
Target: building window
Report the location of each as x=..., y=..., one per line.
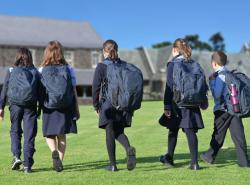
x=33, y=53
x=69, y=57
x=96, y=57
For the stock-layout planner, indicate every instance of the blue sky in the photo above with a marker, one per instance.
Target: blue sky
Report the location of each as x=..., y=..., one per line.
x=135, y=23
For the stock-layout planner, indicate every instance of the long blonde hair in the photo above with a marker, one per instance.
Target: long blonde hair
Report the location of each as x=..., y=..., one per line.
x=53, y=54
x=183, y=48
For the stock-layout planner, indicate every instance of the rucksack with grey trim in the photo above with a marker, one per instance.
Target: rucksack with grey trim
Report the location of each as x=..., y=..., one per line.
x=23, y=86
x=124, y=85
x=189, y=84
x=58, y=84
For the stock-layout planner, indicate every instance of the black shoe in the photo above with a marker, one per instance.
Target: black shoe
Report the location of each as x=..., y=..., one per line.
x=16, y=163
x=195, y=166
x=27, y=170
x=204, y=157
x=57, y=163
x=131, y=158
x=111, y=168
x=167, y=160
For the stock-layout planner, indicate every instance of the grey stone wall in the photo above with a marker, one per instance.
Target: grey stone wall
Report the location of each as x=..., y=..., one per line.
x=7, y=56
x=38, y=56
x=82, y=57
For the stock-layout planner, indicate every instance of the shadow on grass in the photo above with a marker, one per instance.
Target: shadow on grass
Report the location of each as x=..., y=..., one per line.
x=226, y=157
x=42, y=170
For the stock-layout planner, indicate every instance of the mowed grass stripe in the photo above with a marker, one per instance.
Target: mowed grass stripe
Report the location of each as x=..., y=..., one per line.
x=86, y=155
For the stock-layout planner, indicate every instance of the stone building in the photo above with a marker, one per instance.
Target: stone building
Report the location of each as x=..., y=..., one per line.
x=83, y=51
x=82, y=44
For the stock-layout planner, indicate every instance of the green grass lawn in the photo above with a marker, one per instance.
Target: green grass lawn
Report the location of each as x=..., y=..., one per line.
x=86, y=155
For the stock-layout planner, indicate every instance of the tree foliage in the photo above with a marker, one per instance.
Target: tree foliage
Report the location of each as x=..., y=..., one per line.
x=162, y=44
x=216, y=43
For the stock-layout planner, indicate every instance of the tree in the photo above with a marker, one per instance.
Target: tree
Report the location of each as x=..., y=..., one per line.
x=205, y=46
x=217, y=41
x=196, y=44
x=162, y=44
x=193, y=41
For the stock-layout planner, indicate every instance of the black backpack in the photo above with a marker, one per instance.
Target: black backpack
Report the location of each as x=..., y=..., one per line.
x=58, y=84
x=189, y=84
x=242, y=83
x=124, y=85
x=23, y=86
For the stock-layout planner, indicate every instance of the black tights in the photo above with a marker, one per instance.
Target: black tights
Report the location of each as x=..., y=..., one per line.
x=192, y=143
x=115, y=131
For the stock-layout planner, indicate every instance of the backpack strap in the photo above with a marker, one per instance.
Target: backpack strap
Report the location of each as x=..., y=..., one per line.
x=234, y=71
x=69, y=74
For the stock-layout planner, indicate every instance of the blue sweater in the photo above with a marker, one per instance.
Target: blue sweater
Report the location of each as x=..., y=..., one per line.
x=219, y=90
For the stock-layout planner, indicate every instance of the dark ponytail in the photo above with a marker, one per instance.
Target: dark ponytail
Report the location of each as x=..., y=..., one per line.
x=23, y=58
x=111, y=47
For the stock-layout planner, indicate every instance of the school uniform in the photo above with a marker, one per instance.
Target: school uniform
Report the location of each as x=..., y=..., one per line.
x=190, y=119
x=107, y=112
x=111, y=120
x=27, y=114
x=224, y=121
x=59, y=121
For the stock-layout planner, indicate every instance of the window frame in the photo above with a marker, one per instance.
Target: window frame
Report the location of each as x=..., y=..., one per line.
x=33, y=54
x=71, y=59
x=98, y=55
